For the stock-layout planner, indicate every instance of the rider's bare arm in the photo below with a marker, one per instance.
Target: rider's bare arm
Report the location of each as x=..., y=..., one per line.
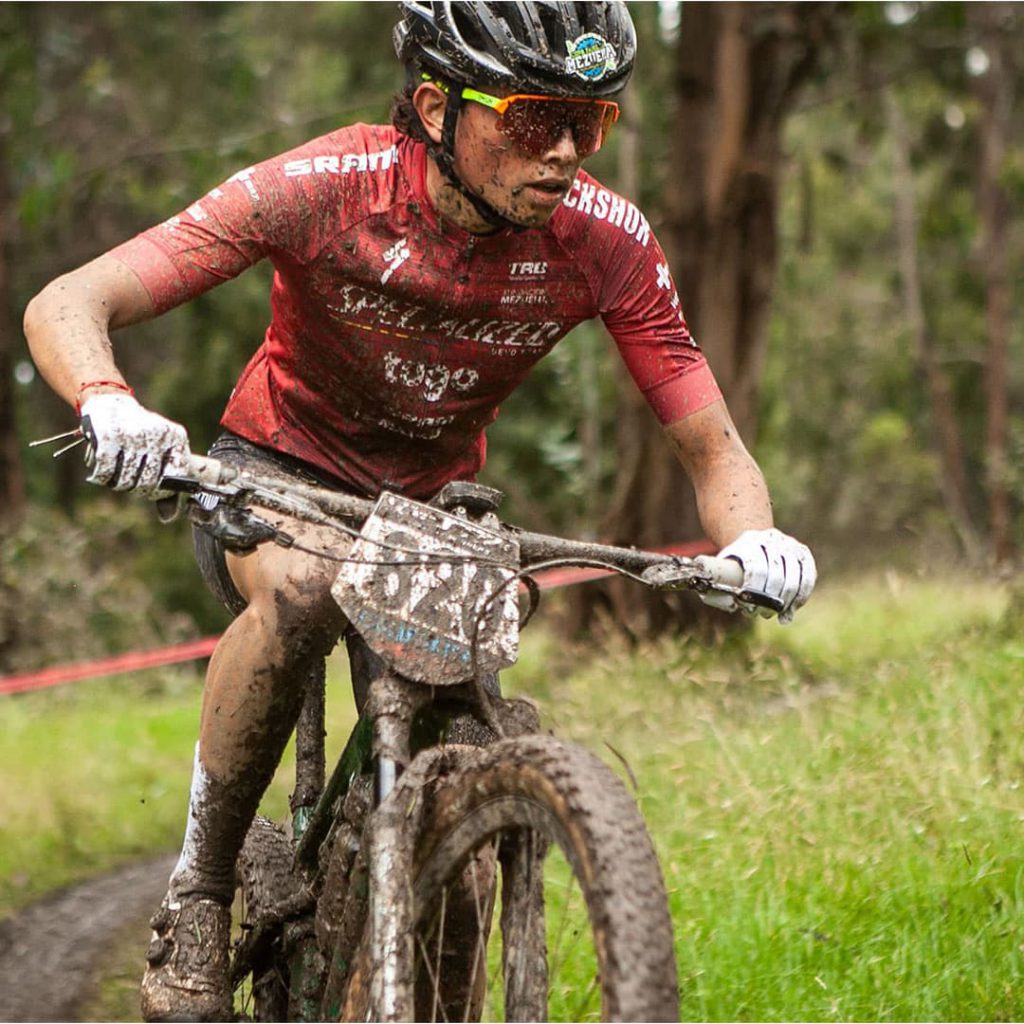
x=731, y=492
x=736, y=512
x=68, y=324
x=68, y=329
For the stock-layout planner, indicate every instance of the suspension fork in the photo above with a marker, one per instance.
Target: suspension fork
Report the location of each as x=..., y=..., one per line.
x=391, y=705
x=309, y=749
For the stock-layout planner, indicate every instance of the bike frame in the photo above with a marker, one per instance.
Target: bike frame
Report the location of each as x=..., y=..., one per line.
x=388, y=705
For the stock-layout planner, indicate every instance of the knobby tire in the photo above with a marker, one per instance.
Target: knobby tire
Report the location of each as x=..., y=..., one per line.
x=501, y=807
x=265, y=881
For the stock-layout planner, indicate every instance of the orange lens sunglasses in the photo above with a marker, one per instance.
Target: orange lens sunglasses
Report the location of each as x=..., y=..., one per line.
x=535, y=123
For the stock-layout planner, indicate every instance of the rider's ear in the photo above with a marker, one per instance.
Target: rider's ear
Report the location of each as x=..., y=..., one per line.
x=430, y=102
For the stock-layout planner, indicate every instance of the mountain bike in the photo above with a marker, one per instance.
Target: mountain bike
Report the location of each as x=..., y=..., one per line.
x=458, y=863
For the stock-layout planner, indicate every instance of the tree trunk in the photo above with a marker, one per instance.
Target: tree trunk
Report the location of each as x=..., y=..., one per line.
x=994, y=90
x=946, y=430
x=739, y=67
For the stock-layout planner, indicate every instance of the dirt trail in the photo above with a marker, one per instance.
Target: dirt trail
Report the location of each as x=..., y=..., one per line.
x=50, y=952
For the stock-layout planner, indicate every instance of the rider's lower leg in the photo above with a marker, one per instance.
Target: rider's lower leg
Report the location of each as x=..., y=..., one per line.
x=253, y=694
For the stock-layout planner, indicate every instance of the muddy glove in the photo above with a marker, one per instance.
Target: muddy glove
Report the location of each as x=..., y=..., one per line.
x=774, y=564
x=131, y=448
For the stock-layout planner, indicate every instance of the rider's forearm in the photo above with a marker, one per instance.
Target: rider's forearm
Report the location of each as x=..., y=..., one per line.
x=67, y=325
x=731, y=492
x=732, y=498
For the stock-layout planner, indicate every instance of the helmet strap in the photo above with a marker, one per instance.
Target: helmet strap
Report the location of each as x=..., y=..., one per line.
x=444, y=156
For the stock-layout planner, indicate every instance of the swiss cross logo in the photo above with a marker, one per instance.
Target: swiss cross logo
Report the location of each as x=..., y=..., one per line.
x=665, y=281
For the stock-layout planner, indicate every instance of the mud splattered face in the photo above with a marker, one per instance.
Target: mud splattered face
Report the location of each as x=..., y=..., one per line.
x=525, y=187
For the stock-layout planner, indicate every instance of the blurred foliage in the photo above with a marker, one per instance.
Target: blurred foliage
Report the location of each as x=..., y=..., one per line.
x=846, y=435
x=118, y=115
x=105, y=583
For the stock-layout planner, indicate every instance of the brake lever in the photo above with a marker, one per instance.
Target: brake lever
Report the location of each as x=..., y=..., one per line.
x=759, y=600
x=181, y=484
x=704, y=575
x=238, y=529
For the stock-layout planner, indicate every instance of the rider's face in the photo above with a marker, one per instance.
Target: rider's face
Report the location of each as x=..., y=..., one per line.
x=524, y=187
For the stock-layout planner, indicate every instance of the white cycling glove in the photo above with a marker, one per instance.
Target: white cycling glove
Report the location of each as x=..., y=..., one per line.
x=131, y=448
x=774, y=564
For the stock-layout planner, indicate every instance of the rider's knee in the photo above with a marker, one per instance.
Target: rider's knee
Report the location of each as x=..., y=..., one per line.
x=297, y=615
x=308, y=616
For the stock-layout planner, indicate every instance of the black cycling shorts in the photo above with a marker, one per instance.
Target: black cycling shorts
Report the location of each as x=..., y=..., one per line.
x=237, y=451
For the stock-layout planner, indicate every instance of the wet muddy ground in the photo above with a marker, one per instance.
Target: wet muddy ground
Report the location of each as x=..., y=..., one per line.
x=53, y=952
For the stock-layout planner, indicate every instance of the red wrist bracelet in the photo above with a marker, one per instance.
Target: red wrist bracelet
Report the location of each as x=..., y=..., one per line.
x=99, y=384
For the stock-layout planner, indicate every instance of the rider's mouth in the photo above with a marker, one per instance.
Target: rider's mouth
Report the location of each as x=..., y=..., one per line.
x=550, y=190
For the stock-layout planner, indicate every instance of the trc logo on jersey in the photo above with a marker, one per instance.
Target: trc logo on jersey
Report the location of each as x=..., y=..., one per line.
x=528, y=269
x=591, y=57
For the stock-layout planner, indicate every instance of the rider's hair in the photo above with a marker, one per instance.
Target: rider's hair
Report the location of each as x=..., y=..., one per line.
x=404, y=116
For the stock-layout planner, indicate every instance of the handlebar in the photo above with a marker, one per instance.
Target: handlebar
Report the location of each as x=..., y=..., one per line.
x=661, y=571
x=206, y=470
x=209, y=473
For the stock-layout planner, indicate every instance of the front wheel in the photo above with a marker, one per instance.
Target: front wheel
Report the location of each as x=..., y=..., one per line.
x=581, y=934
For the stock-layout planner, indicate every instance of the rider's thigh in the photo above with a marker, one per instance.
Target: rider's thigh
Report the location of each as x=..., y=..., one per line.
x=290, y=588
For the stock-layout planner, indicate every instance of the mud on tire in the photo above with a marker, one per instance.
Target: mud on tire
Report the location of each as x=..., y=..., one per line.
x=266, y=882
x=534, y=791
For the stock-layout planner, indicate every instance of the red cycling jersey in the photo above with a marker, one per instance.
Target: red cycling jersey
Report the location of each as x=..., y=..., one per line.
x=394, y=334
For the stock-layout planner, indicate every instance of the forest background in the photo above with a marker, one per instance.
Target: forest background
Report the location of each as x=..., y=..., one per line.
x=837, y=187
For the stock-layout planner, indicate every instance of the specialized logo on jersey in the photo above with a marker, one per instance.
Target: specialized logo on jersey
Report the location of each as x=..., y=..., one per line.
x=394, y=258
x=591, y=57
x=383, y=314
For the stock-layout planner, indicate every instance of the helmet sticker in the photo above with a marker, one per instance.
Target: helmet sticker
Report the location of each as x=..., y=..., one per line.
x=591, y=57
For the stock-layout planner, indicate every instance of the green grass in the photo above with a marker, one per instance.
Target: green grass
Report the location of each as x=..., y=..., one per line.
x=836, y=805
x=98, y=775
x=839, y=812
x=90, y=778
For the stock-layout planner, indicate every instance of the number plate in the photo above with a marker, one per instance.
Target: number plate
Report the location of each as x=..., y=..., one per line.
x=433, y=594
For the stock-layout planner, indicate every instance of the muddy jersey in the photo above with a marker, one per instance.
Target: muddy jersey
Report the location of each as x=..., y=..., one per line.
x=395, y=335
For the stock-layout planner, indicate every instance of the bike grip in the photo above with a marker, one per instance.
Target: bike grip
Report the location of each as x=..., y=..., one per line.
x=205, y=470
x=724, y=571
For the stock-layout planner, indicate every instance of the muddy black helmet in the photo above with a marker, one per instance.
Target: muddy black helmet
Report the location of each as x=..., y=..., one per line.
x=534, y=46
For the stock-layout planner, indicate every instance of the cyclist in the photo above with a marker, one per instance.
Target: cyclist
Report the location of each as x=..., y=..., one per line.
x=421, y=268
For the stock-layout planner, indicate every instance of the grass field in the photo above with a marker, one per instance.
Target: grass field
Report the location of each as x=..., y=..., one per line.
x=837, y=805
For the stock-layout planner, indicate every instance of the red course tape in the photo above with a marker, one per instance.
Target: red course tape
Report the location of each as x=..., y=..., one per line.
x=192, y=650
